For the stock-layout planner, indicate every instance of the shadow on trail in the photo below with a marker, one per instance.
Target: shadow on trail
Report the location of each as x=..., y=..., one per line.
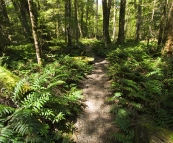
x=95, y=123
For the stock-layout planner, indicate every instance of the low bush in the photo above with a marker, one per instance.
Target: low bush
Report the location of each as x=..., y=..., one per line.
x=142, y=86
x=46, y=111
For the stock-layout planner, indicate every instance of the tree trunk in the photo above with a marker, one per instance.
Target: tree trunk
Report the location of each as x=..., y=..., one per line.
x=84, y=30
x=86, y=21
x=106, y=4
x=76, y=22
x=121, y=36
x=96, y=21
x=168, y=48
x=138, y=20
x=4, y=12
x=114, y=22
x=34, y=31
x=4, y=27
x=67, y=19
x=162, y=29
x=22, y=15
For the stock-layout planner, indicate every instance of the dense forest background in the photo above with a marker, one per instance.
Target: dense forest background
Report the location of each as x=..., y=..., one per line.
x=48, y=46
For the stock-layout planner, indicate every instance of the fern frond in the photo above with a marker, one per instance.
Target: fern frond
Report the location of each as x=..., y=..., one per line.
x=4, y=109
x=19, y=91
x=123, y=123
x=164, y=119
x=120, y=137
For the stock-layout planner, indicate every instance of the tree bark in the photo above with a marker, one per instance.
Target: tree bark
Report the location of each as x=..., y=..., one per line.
x=76, y=22
x=114, y=22
x=162, y=27
x=86, y=21
x=4, y=27
x=21, y=10
x=168, y=48
x=138, y=20
x=34, y=31
x=4, y=12
x=106, y=4
x=68, y=19
x=121, y=36
x=96, y=21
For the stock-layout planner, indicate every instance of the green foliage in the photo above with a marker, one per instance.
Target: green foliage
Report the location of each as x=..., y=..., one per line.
x=44, y=112
x=143, y=89
x=7, y=79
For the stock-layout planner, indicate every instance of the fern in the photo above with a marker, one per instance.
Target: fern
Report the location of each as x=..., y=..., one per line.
x=5, y=110
x=19, y=91
x=41, y=114
x=123, y=137
x=163, y=118
x=143, y=89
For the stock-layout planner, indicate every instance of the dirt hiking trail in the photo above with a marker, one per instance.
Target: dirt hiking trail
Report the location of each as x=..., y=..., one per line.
x=94, y=125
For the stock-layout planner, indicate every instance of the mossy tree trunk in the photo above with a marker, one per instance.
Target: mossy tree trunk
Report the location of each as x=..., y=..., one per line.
x=168, y=48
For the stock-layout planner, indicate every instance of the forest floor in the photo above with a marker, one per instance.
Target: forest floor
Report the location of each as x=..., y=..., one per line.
x=94, y=125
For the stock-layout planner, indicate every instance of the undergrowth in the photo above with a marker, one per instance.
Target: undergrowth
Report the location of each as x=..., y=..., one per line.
x=44, y=104
x=142, y=85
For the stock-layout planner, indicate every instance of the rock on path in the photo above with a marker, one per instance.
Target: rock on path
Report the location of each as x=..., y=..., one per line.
x=95, y=124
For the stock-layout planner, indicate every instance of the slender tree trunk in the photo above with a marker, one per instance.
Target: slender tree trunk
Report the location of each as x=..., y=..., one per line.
x=68, y=18
x=114, y=22
x=3, y=35
x=4, y=25
x=96, y=21
x=34, y=31
x=58, y=20
x=168, y=48
x=21, y=9
x=121, y=36
x=76, y=22
x=151, y=22
x=106, y=4
x=138, y=20
x=84, y=31
x=86, y=21
x=162, y=29
x=4, y=12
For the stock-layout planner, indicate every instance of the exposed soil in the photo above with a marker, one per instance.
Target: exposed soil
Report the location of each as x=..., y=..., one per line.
x=95, y=123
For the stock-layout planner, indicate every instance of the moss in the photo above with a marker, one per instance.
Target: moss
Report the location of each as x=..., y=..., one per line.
x=7, y=79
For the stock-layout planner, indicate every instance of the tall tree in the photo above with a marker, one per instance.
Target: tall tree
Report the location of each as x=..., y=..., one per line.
x=76, y=21
x=4, y=12
x=21, y=8
x=4, y=26
x=68, y=20
x=106, y=4
x=114, y=22
x=138, y=6
x=121, y=36
x=96, y=19
x=34, y=31
x=162, y=27
x=168, y=48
